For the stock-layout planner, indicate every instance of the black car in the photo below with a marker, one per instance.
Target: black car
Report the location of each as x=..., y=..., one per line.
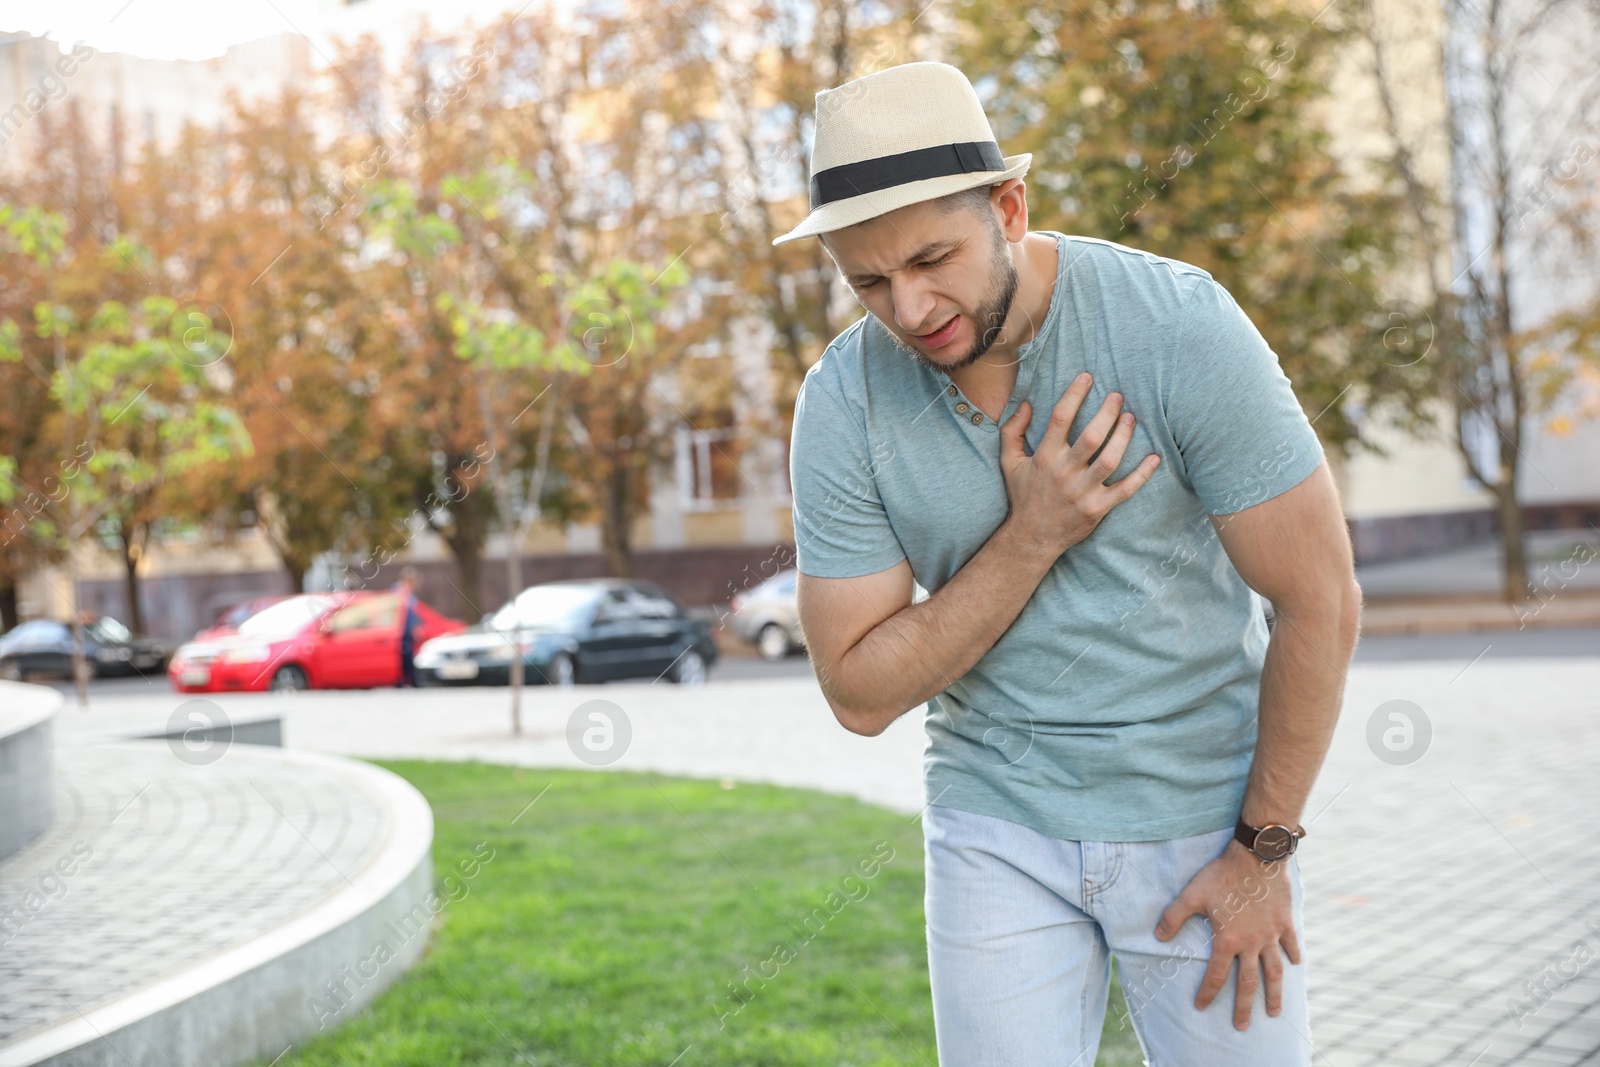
x=44, y=646
x=576, y=630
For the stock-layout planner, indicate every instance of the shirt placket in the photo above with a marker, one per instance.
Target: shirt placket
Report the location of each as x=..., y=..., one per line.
x=967, y=412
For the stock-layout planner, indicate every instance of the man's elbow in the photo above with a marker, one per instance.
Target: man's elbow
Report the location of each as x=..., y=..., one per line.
x=851, y=715
x=865, y=723
x=1338, y=600
x=868, y=722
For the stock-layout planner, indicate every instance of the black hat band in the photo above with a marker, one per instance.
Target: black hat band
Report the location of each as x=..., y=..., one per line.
x=884, y=172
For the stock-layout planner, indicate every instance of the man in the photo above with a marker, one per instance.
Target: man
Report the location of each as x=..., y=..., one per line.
x=410, y=621
x=1089, y=457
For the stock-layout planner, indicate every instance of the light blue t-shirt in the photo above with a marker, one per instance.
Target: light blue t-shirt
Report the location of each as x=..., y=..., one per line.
x=1121, y=705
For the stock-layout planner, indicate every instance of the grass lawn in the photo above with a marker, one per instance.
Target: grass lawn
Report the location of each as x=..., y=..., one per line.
x=638, y=919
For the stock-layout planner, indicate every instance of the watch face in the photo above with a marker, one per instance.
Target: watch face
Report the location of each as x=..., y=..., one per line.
x=1274, y=842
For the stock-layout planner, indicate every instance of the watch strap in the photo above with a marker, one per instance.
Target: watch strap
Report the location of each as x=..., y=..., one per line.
x=1246, y=835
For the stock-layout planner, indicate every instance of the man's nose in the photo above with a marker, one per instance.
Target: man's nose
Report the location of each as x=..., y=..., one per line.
x=913, y=303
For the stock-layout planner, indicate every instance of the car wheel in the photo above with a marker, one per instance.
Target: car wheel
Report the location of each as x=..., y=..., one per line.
x=290, y=679
x=773, y=642
x=11, y=671
x=690, y=669
x=562, y=671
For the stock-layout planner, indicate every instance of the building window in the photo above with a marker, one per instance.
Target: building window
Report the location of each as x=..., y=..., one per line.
x=707, y=467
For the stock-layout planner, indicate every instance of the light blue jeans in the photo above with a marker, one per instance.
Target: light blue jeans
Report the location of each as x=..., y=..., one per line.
x=1021, y=931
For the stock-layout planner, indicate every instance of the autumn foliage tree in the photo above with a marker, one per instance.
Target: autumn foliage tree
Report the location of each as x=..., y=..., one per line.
x=1194, y=131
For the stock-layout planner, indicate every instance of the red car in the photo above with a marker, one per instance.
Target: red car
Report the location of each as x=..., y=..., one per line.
x=339, y=640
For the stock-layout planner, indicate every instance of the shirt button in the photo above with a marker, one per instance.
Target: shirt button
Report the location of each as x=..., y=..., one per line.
x=952, y=390
x=976, y=418
x=961, y=408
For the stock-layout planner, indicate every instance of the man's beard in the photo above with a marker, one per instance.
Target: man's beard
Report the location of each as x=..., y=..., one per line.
x=990, y=317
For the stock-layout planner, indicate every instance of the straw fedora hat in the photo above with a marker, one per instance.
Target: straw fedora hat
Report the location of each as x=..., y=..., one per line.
x=895, y=137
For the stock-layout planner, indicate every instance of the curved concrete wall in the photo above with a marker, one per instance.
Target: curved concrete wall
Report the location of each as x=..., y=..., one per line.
x=308, y=974
x=26, y=789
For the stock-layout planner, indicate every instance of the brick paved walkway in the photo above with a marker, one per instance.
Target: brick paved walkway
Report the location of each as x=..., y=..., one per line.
x=153, y=866
x=1453, y=904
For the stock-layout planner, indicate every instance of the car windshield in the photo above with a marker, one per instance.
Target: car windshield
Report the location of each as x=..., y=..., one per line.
x=547, y=607
x=106, y=628
x=287, y=616
x=240, y=612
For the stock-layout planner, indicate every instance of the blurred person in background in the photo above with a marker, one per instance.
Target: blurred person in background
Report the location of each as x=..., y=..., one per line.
x=410, y=620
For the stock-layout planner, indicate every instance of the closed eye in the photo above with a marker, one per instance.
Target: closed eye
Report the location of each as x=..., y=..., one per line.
x=870, y=282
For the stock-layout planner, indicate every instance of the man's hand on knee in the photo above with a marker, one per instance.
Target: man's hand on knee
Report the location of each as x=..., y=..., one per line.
x=1250, y=906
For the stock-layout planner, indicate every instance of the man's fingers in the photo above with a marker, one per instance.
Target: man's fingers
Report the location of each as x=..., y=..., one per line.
x=1099, y=428
x=1176, y=915
x=1105, y=464
x=1064, y=412
x=1215, y=978
x=1122, y=490
x=1291, y=946
x=1245, y=995
x=1011, y=434
x=1272, y=966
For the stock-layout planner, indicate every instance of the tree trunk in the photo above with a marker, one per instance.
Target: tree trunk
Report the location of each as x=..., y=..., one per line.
x=130, y=582
x=615, y=516
x=8, y=606
x=294, y=564
x=1513, y=554
x=469, y=528
x=469, y=565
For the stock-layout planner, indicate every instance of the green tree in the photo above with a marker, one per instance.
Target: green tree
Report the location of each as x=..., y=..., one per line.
x=132, y=415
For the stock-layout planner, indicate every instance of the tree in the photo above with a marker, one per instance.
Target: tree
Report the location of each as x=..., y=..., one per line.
x=1191, y=130
x=115, y=368
x=28, y=474
x=552, y=170
x=1517, y=219
x=615, y=411
x=311, y=347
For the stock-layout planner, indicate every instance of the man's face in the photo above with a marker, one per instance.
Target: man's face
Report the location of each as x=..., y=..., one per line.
x=941, y=283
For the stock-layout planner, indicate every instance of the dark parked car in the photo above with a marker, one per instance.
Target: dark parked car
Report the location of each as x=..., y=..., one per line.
x=577, y=630
x=44, y=646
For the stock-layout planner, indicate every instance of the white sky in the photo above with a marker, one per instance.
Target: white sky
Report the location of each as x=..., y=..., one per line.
x=200, y=29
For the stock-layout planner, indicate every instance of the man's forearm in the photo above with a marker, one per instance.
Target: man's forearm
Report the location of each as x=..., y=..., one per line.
x=924, y=648
x=1302, y=687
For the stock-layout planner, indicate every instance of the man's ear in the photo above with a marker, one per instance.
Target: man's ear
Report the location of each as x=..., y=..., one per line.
x=1010, y=199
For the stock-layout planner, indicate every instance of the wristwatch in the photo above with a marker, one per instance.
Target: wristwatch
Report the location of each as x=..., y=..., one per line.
x=1271, y=842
